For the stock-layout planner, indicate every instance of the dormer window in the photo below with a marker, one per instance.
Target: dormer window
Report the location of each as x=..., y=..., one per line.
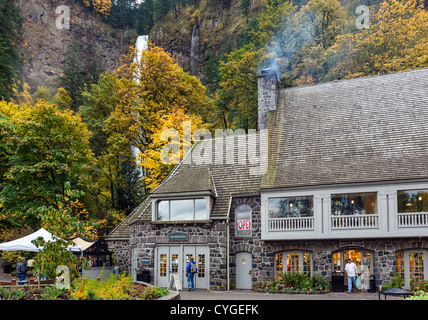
x=181, y=209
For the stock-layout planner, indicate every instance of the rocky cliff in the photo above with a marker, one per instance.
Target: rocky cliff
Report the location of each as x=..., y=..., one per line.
x=45, y=45
x=217, y=24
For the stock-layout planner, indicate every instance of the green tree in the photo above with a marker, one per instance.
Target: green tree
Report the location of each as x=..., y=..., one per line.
x=236, y=101
x=51, y=148
x=72, y=79
x=65, y=219
x=245, y=5
x=10, y=59
x=115, y=173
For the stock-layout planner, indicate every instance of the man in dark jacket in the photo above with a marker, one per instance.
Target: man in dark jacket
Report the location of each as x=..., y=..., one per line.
x=191, y=269
x=21, y=269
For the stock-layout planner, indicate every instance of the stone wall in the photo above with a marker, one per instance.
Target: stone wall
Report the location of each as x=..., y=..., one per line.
x=147, y=235
x=263, y=266
x=121, y=254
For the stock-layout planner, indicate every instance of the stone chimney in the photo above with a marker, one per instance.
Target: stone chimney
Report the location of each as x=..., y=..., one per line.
x=267, y=82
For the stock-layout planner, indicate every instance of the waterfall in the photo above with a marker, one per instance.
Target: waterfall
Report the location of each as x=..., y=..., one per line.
x=195, y=50
x=141, y=45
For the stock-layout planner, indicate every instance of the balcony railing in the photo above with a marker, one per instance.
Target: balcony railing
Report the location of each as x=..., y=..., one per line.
x=355, y=221
x=291, y=224
x=414, y=219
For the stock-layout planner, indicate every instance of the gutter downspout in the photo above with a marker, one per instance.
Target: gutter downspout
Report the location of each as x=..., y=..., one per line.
x=228, y=242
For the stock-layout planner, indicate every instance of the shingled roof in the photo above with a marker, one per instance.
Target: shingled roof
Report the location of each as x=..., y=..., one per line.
x=349, y=131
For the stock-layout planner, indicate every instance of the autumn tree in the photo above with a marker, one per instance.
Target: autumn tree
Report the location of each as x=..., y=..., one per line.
x=65, y=219
x=50, y=148
x=396, y=41
x=170, y=130
x=101, y=6
x=134, y=100
x=116, y=177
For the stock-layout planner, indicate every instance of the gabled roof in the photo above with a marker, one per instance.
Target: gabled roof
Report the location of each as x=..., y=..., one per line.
x=188, y=181
x=361, y=130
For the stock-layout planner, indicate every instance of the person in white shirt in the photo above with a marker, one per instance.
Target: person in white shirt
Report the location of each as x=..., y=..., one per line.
x=351, y=272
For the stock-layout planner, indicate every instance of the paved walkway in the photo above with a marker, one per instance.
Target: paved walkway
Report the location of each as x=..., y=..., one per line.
x=251, y=295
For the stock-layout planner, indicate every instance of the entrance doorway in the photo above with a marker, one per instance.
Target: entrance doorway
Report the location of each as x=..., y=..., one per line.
x=243, y=270
x=173, y=260
x=364, y=261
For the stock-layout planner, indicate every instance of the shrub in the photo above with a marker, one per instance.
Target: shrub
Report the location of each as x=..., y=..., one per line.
x=420, y=295
x=318, y=282
x=418, y=284
x=52, y=293
x=396, y=282
x=114, y=288
x=153, y=293
x=12, y=294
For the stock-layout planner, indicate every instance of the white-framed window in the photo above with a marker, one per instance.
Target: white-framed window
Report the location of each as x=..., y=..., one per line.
x=410, y=264
x=354, y=204
x=288, y=207
x=181, y=209
x=293, y=261
x=412, y=201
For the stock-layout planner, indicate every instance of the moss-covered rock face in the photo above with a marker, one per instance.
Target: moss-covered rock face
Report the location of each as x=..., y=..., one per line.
x=219, y=27
x=45, y=45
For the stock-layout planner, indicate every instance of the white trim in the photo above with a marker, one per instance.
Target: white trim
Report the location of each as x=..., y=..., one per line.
x=156, y=200
x=387, y=215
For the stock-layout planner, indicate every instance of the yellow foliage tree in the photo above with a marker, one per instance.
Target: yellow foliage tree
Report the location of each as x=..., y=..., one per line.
x=396, y=41
x=100, y=6
x=154, y=158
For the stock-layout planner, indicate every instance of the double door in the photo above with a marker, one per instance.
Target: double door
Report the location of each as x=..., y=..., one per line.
x=173, y=260
x=364, y=262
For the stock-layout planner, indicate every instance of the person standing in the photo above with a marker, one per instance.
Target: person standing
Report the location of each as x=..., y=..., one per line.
x=21, y=269
x=351, y=272
x=191, y=269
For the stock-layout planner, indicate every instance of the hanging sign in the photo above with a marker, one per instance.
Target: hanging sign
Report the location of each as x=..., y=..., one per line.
x=243, y=221
x=351, y=243
x=178, y=236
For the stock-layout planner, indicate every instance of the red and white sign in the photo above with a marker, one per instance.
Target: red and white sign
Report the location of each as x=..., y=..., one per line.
x=244, y=224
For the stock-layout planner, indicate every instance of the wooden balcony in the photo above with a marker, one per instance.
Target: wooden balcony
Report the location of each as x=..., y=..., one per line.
x=355, y=222
x=414, y=219
x=291, y=224
x=324, y=223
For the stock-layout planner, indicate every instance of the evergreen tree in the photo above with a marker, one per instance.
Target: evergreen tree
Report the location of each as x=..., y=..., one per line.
x=244, y=5
x=145, y=17
x=73, y=80
x=10, y=60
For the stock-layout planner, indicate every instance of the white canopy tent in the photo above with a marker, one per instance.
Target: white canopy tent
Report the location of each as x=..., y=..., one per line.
x=24, y=243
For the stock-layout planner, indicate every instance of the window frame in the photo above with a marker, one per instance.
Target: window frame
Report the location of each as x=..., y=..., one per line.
x=404, y=265
x=410, y=190
x=295, y=198
x=301, y=258
x=350, y=194
x=156, y=202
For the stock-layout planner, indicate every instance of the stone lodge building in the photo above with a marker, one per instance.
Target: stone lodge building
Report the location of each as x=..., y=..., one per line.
x=336, y=170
